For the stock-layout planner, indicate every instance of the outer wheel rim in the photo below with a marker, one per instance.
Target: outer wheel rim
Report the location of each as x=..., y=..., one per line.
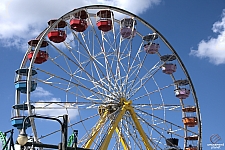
x=45, y=32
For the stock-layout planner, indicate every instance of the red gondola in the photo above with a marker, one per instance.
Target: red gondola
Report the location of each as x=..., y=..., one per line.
x=104, y=23
x=42, y=55
x=79, y=22
x=57, y=35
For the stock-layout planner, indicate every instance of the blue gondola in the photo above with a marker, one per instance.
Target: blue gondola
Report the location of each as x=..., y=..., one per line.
x=22, y=86
x=18, y=122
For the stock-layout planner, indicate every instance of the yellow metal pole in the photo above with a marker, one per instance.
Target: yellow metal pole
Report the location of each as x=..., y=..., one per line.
x=126, y=107
x=122, y=139
x=106, y=141
x=139, y=128
x=95, y=131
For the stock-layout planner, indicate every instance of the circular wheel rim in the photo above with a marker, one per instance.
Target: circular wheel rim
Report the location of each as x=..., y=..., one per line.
x=115, y=97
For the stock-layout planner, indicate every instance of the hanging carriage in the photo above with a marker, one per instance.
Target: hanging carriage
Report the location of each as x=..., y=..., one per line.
x=127, y=28
x=104, y=23
x=42, y=54
x=151, y=46
x=78, y=21
x=58, y=34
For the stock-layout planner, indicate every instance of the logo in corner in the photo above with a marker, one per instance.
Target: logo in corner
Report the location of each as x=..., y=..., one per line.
x=215, y=138
x=215, y=142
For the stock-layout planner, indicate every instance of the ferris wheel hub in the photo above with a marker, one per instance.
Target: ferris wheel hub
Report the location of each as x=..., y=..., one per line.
x=113, y=107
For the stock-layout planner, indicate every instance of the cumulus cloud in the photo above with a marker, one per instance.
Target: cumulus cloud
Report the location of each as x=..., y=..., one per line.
x=213, y=48
x=40, y=92
x=55, y=109
x=46, y=104
x=21, y=21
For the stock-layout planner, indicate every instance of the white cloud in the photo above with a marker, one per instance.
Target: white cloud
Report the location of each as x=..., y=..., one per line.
x=40, y=92
x=213, y=48
x=54, y=109
x=21, y=21
x=50, y=107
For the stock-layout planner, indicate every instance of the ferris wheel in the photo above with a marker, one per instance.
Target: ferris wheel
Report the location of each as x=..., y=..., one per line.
x=121, y=82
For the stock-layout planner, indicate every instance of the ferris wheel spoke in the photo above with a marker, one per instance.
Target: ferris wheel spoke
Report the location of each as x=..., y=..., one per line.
x=168, y=107
x=100, y=79
x=134, y=134
x=117, y=58
x=73, y=83
x=58, y=65
x=104, y=133
x=142, y=81
x=108, y=66
x=153, y=141
x=139, y=65
x=94, y=135
x=129, y=51
x=64, y=89
x=97, y=68
x=96, y=86
x=69, y=67
x=119, y=54
x=108, y=69
x=159, y=130
x=89, y=98
x=104, y=77
x=136, y=64
x=83, y=70
x=125, y=127
x=166, y=121
x=162, y=98
x=51, y=105
x=76, y=123
x=152, y=92
x=126, y=136
x=72, y=76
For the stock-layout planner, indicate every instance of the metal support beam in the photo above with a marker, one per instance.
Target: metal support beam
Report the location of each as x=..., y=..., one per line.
x=122, y=139
x=9, y=141
x=106, y=141
x=96, y=130
x=64, y=132
x=139, y=128
x=126, y=106
x=63, y=125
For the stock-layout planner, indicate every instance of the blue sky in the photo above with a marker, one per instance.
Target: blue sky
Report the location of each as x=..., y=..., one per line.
x=196, y=30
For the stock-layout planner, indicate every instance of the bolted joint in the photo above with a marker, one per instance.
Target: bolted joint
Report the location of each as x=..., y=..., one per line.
x=128, y=103
x=123, y=100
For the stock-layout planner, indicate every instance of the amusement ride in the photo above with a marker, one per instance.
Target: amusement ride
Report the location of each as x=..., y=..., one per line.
x=120, y=83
